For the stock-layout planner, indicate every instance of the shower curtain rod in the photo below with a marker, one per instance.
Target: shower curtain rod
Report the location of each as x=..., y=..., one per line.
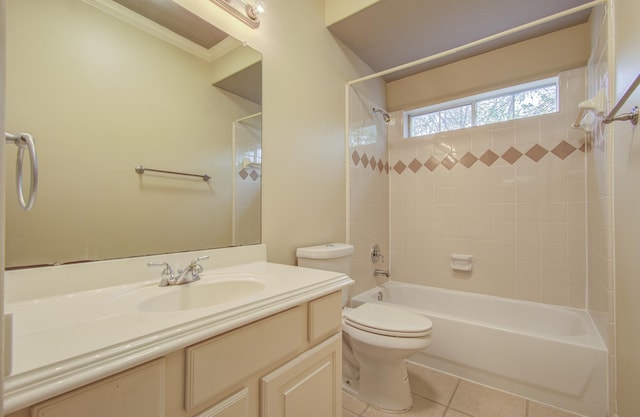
x=479, y=41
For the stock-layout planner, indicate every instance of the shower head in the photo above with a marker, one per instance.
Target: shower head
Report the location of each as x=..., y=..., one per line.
x=385, y=115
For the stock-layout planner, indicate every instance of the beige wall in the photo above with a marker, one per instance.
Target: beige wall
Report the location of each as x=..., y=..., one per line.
x=525, y=61
x=304, y=73
x=626, y=165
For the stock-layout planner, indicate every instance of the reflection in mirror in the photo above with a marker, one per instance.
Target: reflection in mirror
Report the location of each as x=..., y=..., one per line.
x=103, y=89
x=247, y=145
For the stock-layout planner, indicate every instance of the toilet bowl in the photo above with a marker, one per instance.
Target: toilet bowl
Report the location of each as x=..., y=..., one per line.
x=380, y=338
x=376, y=338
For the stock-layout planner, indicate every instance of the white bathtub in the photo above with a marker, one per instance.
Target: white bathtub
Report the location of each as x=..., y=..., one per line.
x=547, y=353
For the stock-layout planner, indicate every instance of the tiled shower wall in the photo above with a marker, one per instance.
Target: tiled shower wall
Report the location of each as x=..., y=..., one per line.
x=368, y=190
x=511, y=194
x=601, y=276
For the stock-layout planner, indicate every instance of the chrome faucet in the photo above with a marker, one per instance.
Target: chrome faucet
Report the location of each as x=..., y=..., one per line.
x=182, y=276
x=378, y=272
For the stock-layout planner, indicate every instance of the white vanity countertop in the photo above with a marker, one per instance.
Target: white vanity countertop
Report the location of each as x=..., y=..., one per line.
x=66, y=341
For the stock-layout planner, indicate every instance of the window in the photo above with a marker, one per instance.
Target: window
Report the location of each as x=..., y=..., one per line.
x=525, y=100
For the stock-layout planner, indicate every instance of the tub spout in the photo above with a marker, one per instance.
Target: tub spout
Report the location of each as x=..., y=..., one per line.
x=381, y=272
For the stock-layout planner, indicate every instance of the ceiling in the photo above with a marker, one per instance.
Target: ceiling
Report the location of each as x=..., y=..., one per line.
x=177, y=19
x=390, y=33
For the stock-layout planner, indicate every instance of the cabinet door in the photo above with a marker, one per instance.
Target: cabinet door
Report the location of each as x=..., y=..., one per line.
x=138, y=392
x=307, y=386
x=235, y=406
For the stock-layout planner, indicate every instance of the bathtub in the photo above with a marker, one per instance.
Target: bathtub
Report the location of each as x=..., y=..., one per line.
x=546, y=353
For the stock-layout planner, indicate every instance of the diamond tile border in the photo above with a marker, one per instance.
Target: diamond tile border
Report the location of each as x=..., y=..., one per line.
x=415, y=165
x=512, y=155
x=468, y=159
x=372, y=163
x=399, y=167
x=536, y=153
x=563, y=150
x=432, y=163
x=246, y=175
x=489, y=157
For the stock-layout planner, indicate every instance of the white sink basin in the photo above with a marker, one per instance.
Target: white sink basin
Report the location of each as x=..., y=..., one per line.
x=188, y=297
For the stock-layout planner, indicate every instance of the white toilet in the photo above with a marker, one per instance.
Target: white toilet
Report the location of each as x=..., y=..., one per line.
x=376, y=338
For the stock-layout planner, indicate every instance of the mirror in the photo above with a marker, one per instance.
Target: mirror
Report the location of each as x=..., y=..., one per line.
x=103, y=89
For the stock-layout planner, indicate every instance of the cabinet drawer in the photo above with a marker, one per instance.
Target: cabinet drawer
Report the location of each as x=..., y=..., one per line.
x=325, y=317
x=138, y=392
x=218, y=364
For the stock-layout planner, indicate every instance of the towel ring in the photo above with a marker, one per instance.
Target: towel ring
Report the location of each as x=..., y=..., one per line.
x=25, y=141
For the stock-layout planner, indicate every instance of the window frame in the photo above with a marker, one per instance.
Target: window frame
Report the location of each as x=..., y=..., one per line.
x=472, y=101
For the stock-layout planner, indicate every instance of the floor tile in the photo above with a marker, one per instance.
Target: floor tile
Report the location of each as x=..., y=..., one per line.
x=429, y=383
x=453, y=413
x=347, y=413
x=542, y=410
x=421, y=408
x=353, y=404
x=480, y=401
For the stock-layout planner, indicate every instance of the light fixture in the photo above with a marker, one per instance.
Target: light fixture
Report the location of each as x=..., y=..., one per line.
x=248, y=11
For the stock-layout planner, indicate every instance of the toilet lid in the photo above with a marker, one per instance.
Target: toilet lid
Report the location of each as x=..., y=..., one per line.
x=387, y=320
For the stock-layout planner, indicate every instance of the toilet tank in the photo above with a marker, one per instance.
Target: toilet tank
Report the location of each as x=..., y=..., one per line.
x=334, y=257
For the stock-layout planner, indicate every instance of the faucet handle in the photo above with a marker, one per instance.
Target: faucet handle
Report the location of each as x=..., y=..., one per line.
x=376, y=254
x=167, y=268
x=198, y=259
x=195, y=268
x=165, y=275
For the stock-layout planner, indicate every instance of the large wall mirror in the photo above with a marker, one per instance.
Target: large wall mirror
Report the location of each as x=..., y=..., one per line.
x=104, y=86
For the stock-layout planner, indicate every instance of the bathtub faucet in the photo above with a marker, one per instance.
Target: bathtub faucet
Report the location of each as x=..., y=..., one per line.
x=381, y=272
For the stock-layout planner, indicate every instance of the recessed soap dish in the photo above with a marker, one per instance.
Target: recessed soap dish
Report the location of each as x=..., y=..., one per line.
x=461, y=262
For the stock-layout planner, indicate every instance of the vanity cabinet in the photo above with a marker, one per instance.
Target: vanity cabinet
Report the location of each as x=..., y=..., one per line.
x=138, y=392
x=287, y=364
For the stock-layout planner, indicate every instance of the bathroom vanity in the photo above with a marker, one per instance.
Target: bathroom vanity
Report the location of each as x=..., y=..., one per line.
x=274, y=352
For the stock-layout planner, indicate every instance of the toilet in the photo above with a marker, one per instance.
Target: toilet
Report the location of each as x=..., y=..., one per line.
x=376, y=338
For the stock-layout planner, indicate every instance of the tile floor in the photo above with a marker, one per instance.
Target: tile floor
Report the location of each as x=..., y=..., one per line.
x=436, y=394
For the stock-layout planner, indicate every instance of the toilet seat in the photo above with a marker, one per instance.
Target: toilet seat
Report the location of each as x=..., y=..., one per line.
x=387, y=321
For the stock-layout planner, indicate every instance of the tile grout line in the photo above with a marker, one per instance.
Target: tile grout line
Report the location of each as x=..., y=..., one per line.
x=448, y=406
x=454, y=393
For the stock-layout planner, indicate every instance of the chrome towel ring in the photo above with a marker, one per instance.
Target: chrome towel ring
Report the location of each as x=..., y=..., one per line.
x=25, y=141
